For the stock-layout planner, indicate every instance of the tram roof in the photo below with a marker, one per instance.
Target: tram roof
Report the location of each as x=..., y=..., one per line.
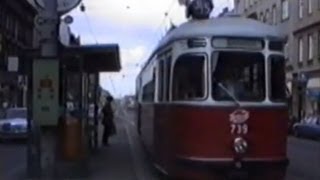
x=223, y=26
x=228, y=26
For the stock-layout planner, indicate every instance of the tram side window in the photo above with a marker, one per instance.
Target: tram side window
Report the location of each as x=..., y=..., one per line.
x=148, y=90
x=164, y=79
x=168, y=75
x=277, y=81
x=160, y=77
x=189, y=78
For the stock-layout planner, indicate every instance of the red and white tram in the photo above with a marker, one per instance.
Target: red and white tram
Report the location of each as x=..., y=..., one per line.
x=212, y=101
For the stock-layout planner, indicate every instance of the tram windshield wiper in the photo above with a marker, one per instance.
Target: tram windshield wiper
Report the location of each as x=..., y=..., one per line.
x=231, y=95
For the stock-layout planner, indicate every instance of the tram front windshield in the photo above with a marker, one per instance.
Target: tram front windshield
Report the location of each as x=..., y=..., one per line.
x=241, y=73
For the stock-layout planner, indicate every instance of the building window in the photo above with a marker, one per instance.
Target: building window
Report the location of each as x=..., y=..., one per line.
x=286, y=51
x=246, y=4
x=261, y=16
x=310, y=3
x=267, y=17
x=300, y=45
x=284, y=9
x=310, y=47
x=251, y=2
x=274, y=15
x=300, y=9
x=319, y=45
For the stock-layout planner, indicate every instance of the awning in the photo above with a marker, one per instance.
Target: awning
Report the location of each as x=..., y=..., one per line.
x=313, y=94
x=96, y=58
x=313, y=89
x=313, y=83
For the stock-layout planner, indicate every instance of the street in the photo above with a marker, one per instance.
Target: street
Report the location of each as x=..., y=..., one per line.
x=12, y=159
x=124, y=159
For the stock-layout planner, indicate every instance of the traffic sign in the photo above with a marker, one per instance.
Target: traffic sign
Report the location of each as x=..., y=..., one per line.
x=64, y=6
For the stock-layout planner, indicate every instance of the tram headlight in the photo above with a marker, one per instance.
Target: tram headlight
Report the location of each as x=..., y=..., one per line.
x=240, y=145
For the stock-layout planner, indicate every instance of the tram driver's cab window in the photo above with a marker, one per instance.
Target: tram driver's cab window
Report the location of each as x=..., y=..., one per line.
x=278, y=78
x=238, y=76
x=189, y=78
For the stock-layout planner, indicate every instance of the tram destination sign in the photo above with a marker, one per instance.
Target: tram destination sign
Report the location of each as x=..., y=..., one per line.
x=234, y=43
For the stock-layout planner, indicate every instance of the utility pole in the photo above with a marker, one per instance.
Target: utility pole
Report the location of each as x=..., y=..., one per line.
x=45, y=93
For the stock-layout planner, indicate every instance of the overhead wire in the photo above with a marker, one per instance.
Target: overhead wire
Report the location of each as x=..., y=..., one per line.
x=83, y=9
x=158, y=28
x=166, y=14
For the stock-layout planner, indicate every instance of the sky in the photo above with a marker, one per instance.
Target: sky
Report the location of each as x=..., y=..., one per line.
x=136, y=25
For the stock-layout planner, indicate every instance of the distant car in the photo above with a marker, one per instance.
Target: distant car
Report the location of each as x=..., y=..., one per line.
x=308, y=128
x=14, y=126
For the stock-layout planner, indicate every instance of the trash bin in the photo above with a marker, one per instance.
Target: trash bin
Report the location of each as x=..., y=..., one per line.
x=71, y=139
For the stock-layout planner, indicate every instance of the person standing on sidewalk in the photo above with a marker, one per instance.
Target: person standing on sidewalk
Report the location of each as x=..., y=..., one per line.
x=107, y=121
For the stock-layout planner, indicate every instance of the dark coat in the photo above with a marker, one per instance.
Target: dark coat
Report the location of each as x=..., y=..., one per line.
x=107, y=119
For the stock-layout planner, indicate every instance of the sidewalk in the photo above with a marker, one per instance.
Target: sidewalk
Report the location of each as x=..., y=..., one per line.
x=114, y=162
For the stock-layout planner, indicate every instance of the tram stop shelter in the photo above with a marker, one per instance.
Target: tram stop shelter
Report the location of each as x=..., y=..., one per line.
x=80, y=67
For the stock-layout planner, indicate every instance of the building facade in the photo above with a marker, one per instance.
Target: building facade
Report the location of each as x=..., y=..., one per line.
x=300, y=21
x=16, y=33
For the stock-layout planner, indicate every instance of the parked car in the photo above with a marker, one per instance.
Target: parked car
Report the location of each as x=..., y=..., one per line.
x=308, y=128
x=14, y=125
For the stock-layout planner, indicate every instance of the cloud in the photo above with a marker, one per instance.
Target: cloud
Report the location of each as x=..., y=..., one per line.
x=132, y=57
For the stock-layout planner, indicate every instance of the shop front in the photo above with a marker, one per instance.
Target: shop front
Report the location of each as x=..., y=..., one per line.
x=312, y=101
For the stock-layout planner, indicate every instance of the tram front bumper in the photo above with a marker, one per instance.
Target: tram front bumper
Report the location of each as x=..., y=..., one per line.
x=229, y=169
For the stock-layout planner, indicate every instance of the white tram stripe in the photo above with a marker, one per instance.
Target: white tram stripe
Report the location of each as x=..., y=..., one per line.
x=229, y=159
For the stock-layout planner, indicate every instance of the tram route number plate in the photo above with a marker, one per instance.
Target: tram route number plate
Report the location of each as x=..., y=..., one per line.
x=239, y=129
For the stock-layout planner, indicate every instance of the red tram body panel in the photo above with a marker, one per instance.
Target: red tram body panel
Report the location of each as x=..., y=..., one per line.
x=208, y=136
x=201, y=136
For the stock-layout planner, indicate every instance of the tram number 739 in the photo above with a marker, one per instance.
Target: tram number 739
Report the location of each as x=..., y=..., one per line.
x=239, y=128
